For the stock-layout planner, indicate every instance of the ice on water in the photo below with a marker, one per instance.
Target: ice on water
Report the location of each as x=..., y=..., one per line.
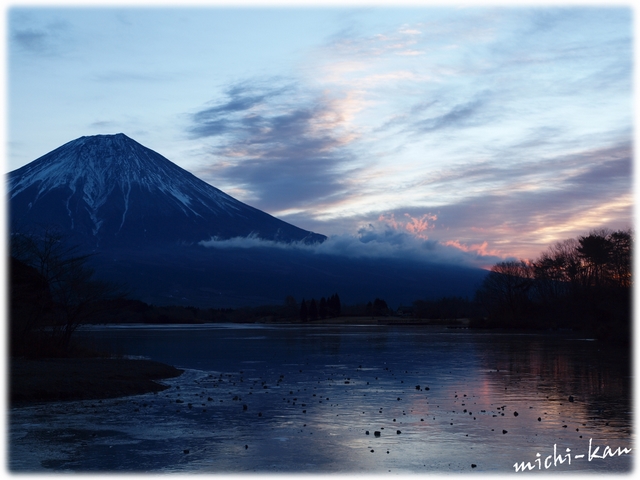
x=301, y=399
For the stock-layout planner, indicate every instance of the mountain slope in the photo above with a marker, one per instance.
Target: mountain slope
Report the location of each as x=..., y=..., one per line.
x=232, y=278
x=144, y=217
x=108, y=190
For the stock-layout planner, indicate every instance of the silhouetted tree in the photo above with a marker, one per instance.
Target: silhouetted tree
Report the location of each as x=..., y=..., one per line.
x=595, y=251
x=505, y=291
x=290, y=307
x=606, y=258
x=322, y=308
x=582, y=283
x=29, y=303
x=313, y=310
x=380, y=307
x=369, y=309
x=557, y=271
x=75, y=294
x=304, y=313
x=333, y=305
x=622, y=243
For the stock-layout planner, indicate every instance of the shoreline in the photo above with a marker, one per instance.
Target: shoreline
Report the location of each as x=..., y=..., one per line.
x=66, y=379
x=389, y=320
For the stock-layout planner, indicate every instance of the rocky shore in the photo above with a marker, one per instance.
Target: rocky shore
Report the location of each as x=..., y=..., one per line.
x=57, y=379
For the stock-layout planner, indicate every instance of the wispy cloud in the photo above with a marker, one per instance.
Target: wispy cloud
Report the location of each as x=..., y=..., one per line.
x=103, y=124
x=290, y=146
x=49, y=39
x=241, y=99
x=32, y=40
x=395, y=42
x=458, y=116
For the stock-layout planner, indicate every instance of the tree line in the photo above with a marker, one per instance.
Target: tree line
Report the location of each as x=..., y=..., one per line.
x=324, y=308
x=581, y=283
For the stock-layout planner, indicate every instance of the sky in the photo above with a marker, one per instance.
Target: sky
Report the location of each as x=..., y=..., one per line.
x=483, y=133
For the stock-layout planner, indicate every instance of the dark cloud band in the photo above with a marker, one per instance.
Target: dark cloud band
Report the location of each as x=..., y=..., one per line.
x=278, y=141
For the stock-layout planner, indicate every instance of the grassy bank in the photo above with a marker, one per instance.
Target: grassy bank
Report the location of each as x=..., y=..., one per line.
x=55, y=379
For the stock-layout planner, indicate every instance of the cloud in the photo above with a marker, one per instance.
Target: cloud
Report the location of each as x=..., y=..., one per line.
x=391, y=235
x=481, y=249
x=103, y=124
x=394, y=42
x=604, y=176
x=510, y=211
x=44, y=40
x=578, y=173
x=375, y=241
x=290, y=147
x=32, y=40
x=417, y=226
x=217, y=120
x=458, y=116
x=524, y=207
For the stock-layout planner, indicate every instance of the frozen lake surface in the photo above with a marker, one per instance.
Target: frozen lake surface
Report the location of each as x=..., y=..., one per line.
x=340, y=399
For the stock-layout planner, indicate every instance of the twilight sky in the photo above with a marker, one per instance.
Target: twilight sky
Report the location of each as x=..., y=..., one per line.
x=483, y=133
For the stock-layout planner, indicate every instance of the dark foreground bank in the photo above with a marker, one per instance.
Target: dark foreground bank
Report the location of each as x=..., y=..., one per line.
x=58, y=379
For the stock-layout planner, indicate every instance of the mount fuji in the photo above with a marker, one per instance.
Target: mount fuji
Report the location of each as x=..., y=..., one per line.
x=108, y=191
x=144, y=220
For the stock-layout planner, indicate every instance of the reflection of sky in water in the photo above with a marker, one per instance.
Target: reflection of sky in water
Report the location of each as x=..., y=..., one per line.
x=313, y=392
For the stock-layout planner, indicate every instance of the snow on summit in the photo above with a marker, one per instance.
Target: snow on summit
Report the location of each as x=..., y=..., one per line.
x=104, y=162
x=112, y=188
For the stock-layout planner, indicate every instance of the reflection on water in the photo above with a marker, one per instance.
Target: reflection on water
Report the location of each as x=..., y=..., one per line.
x=273, y=399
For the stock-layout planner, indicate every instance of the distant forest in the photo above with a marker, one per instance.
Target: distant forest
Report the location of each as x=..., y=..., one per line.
x=582, y=284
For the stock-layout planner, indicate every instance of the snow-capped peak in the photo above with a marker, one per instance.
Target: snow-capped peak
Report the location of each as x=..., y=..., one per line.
x=111, y=187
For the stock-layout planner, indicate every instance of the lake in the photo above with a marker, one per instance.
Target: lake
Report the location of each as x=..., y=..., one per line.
x=343, y=399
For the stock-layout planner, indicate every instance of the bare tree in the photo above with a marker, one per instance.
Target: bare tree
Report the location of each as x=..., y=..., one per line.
x=505, y=292
x=75, y=295
x=580, y=283
x=557, y=271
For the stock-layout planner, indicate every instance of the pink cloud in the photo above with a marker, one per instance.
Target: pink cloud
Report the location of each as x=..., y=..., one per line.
x=389, y=220
x=417, y=226
x=480, y=249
